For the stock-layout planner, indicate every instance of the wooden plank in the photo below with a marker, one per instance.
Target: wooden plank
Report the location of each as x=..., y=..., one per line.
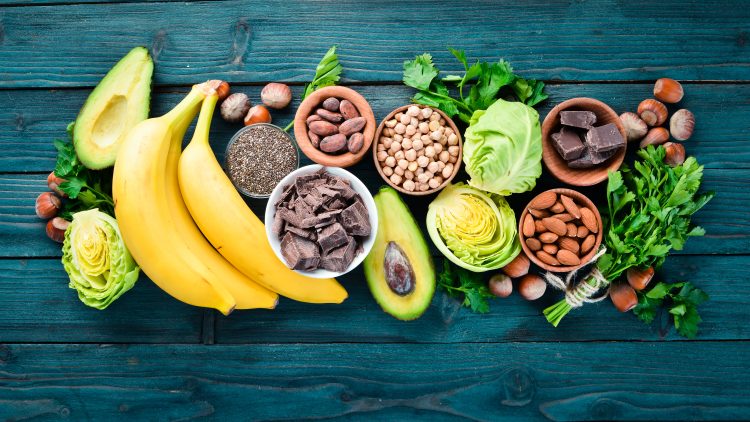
x=29, y=124
x=242, y=41
x=38, y=306
x=498, y=382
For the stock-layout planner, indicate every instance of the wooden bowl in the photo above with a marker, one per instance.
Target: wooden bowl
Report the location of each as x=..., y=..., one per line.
x=313, y=101
x=456, y=166
x=559, y=167
x=580, y=199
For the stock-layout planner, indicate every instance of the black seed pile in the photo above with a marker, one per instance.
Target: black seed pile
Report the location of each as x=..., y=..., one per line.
x=259, y=158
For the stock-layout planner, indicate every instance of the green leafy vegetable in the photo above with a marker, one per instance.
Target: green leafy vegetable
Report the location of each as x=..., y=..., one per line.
x=487, y=81
x=327, y=73
x=473, y=229
x=648, y=215
x=95, y=257
x=681, y=300
x=503, y=148
x=86, y=189
x=467, y=286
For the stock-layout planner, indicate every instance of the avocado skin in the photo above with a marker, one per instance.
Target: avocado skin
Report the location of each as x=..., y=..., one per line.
x=120, y=101
x=396, y=224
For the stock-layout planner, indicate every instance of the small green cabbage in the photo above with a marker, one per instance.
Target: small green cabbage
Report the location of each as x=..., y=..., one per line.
x=99, y=265
x=503, y=148
x=473, y=229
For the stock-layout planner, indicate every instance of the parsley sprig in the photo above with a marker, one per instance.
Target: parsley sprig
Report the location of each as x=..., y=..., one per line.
x=327, y=73
x=680, y=299
x=465, y=285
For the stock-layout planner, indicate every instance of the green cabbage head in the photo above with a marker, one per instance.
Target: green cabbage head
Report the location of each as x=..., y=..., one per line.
x=503, y=148
x=99, y=265
x=473, y=229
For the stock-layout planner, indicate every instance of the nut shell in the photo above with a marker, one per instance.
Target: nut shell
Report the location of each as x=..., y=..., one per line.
x=500, y=285
x=235, y=107
x=519, y=267
x=655, y=136
x=532, y=287
x=56, y=229
x=623, y=297
x=653, y=112
x=47, y=205
x=639, y=278
x=674, y=154
x=276, y=95
x=257, y=114
x=54, y=182
x=635, y=127
x=682, y=124
x=668, y=90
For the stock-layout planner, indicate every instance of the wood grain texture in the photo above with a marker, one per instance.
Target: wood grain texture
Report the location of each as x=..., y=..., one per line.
x=497, y=382
x=258, y=41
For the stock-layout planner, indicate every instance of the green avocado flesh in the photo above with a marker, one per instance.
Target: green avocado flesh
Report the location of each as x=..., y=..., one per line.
x=119, y=102
x=399, y=269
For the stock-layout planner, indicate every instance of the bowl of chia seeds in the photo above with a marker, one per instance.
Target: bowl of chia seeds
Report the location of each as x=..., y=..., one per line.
x=258, y=157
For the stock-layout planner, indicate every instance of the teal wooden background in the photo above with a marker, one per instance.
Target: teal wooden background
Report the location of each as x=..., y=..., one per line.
x=151, y=357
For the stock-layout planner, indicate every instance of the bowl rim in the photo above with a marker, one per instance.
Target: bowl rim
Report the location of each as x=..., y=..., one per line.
x=233, y=139
x=580, y=198
x=456, y=166
x=357, y=185
x=550, y=154
x=346, y=159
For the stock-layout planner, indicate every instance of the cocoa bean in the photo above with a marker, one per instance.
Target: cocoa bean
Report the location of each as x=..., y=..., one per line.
x=348, y=110
x=314, y=139
x=323, y=128
x=334, y=143
x=355, y=142
x=331, y=116
x=352, y=125
x=331, y=104
x=313, y=118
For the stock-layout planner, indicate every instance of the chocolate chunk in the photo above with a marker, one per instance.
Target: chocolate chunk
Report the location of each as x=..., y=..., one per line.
x=355, y=219
x=591, y=158
x=337, y=204
x=332, y=236
x=568, y=143
x=604, y=138
x=278, y=225
x=326, y=191
x=600, y=157
x=340, y=258
x=289, y=216
x=307, y=234
x=581, y=119
x=299, y=253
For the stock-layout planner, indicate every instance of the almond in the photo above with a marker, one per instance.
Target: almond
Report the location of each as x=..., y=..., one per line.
x=539, y=213
x=519, y=267
x=557, y=208
x=539, y=226
x=570, y=206
x=548, y=237
x=555, y=226
x=565, y=217
x=582, y=232
x=533, y=244
x=528, y=226
x=572, y=229
x=544, y=200
x=550, y=248
x=567, y=257
x=589, y=220
x=570, y=244
x=547, y=258
x=587, y=244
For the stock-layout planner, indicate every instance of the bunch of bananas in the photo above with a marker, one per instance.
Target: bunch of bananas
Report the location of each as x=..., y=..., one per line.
x=189, y=229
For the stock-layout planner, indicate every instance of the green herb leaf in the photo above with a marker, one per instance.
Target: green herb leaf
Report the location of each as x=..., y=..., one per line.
x=681, y=299
x=420, y=72
x=465, y=285
x=327, y=73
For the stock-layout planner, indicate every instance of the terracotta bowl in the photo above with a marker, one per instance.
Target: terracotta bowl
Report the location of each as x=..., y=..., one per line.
x=313, y=101
x=456, y=166
x=555, y=163
x=580, y=199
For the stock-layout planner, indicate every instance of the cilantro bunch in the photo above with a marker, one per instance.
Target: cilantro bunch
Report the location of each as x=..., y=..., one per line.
x=465, y=285
x=681, y=300
x=487, y=81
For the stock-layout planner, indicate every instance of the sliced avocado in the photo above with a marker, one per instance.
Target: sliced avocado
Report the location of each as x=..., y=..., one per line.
x=399, y=268
x=119, y=102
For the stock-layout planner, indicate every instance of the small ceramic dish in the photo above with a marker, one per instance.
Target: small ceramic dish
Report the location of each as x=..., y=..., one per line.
x=456, y=166
x=313, y=101
x=580, y=200
x=555, y=163
x=356, y=184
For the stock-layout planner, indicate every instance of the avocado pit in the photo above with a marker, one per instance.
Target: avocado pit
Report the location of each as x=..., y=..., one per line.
x=399, y=273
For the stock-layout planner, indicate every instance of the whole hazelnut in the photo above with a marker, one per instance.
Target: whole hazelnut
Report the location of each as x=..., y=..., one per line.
x=639, y=278
x=532, y=287
x=623, y=297
x=500, y=285
x=655, y=136
x=235, y=107
x=652, y=112
x=257, y=114
x=681, y=124
x=276, y=95
x=221, y=88
x=635, y=128
x=668, y=90
x=56, y=229
x=47, y=205
x=54, y=182
x=519, y=267
x=674, y=154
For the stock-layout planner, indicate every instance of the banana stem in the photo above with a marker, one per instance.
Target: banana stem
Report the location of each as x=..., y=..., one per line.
x=203, y=126
x=183, y=113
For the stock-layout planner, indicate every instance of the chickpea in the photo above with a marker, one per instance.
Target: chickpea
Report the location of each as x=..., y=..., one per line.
x=434, y=117
x=420, y=153
x=442, y=121
x=413, y=111
x=453, y=150
x=436, y=135
x=414, y=122
x=447, y=171
x=441, y=166
x=406, y=143
x=399, y=155
x=439, y=178
x=423, y=161
x=438, y=147
x=433, y=183
x=405, y=119
x=409, y=186
x=444, y=156
x=396, y=146
x=398, y=170
x=433, y=167
x=389, y=131
x=434, y=125
x=410, y=154
x=382, y=155
x=423, y=178
x=424, y=127
x=398, y=137
x=413, y=166
x=409, y=175
x=427, y=141
x=417, y=145
x=387, y=142
x=390, y=162
x=429, y=151
x=425, y=138
x=387, y=171
x=452, y=139
x=400, y=128
x=419, y=171
x=423, y=187
x=403, y=164
x=453, y=160
x=391, y=123
x=448, y=131
x=426, y=113
x=398, y=115
x=410, y=130
x=381, y=147
x=395, y=179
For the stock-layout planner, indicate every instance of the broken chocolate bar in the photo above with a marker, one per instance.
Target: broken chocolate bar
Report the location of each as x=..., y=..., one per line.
x=355, y=219
x=299, y=253
x=604, y=138
x=340, y=258
x=568, y=143
x=591, y=158
x=580, y=119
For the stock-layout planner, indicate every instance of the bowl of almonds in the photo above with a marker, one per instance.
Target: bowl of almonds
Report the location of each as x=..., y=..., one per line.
x=417, y=149
x=560, y=230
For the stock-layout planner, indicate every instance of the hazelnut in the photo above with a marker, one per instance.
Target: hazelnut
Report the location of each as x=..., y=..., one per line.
x=257, y=114
x=47, y=205
x=221, y=88
x=532, y=287
x=655, y=136
x=674, y=154
x=635, y=128
x=623, y=297
x=235, y=107
x=276, y=95
x=639, y=278
x=519, y=267
x=56, y=229
x=668, y=90
x=681, y=124
x=652, y=112
x=500, y=285
x=54, y=182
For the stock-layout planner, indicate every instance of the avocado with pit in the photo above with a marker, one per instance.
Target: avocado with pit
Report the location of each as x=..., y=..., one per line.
x=399, y=268
x=117, y=104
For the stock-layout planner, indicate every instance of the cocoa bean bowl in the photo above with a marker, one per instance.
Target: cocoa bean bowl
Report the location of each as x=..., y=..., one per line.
x=539, y=209
x=343, y=157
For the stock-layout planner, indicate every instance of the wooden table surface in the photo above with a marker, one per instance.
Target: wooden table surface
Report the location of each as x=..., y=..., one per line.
x=151, y=357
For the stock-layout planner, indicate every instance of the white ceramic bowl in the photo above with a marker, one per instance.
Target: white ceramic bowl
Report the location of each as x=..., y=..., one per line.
x=357, y=185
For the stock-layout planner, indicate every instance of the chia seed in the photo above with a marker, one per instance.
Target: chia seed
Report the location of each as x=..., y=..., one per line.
x=260, y=156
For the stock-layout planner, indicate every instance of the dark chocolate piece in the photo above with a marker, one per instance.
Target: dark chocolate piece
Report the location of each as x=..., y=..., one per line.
x=340, y=258
x=568, y=143
x=591, y=158
x=355, y=220
x=581, y=119
x=604, y=138
x=331, y=237
x=278, y=225
x=299, y=253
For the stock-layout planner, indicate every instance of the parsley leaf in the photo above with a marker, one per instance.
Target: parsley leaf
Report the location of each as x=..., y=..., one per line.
x=467, y=286
x=327, y=73
x=420, y=72
x=681, y=299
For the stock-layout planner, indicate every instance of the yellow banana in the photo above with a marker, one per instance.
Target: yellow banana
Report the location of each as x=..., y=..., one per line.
x=143, y=209
x=233, y=228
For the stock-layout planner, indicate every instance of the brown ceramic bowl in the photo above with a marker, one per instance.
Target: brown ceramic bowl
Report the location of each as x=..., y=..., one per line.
x=456, y=166
x=580, y=199
x=313, y=101
x=555, y=163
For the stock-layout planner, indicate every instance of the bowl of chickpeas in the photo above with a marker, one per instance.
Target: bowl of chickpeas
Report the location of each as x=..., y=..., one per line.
x=417, y=149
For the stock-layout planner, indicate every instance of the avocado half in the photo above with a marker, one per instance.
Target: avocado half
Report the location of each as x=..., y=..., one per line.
x=119, y=102
x=399, y=268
